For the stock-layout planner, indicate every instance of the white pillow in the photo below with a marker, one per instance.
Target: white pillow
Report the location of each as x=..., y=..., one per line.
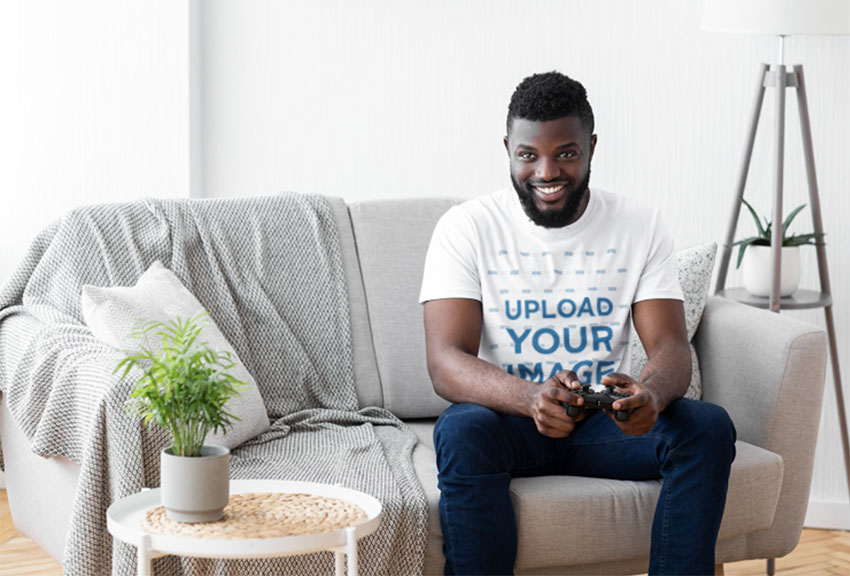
x=695, y=267
x=159, y=296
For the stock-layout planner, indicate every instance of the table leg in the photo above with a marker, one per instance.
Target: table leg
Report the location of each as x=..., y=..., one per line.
x=340, y=560
x=351, y=550
x=143, y=555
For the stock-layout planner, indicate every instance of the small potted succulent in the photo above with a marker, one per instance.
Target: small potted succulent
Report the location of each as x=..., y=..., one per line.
x=757, y=260
x=183, y=389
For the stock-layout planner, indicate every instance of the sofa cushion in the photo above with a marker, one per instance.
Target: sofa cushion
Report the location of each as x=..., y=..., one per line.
x=158, y=296
x=552, y=511
x=425, y=464
x=392, y=237
x=365, y=366
x=695, y=267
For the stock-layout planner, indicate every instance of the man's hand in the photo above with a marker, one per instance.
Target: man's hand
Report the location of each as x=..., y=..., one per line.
x=545, y=404
x=643, y=403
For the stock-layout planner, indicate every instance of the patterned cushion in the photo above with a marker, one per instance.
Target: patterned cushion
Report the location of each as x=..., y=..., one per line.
x=159, y=296
x=695, y=267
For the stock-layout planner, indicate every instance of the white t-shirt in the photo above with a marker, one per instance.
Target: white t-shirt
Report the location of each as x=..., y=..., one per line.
x=552, y=298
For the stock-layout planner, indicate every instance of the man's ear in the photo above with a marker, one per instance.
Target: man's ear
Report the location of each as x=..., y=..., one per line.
x=592, y=145
x=507, y=147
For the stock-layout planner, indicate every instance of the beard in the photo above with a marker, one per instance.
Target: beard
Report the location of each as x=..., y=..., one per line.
x=552, y=218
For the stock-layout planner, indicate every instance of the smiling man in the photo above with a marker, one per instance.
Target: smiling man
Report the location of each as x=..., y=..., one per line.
x=552, y=185
x=530, y=293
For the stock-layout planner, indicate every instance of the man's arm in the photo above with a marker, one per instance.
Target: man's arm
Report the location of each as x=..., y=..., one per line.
x=452, y=336
x=667, y=373
x=661, y=327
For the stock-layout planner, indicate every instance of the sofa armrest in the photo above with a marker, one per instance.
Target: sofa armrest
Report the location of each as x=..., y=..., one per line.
x=767, y=370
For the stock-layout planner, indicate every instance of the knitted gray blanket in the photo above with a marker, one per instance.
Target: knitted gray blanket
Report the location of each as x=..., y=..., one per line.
x=269, y=271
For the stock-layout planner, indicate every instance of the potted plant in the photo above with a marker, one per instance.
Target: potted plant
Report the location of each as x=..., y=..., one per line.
x=757, y=260
x=183, y=389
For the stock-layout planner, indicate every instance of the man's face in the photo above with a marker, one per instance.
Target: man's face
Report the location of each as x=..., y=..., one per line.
x=550, y=168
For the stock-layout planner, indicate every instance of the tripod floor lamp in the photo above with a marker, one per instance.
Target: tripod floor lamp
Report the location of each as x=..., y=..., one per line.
x=783, y=18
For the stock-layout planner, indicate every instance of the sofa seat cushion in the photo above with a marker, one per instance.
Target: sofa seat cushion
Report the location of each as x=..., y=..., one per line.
x=552, y=511
x=425, y=464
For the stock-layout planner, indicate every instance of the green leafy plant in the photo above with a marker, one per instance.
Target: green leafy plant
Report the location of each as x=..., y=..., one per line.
x=765, y=233
x=185, y=384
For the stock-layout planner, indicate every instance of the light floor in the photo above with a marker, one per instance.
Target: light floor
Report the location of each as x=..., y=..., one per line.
x=819, y=552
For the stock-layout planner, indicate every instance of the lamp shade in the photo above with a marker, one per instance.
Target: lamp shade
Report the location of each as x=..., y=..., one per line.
x=777, y=17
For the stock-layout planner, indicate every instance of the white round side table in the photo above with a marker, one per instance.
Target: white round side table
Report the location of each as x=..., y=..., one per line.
x=124, y=521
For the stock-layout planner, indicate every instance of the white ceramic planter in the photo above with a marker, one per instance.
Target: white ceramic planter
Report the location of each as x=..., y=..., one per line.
x=195, y=489
x=757, y=270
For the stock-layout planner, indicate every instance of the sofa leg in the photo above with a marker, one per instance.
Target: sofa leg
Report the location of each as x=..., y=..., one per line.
x=771, y=567
x=718, y=570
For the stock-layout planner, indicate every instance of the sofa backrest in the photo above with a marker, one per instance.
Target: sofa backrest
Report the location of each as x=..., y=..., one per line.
x=391, y=238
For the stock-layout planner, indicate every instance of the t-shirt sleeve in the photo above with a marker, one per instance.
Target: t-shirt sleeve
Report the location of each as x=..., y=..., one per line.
x=660, y=276
x=451, y=269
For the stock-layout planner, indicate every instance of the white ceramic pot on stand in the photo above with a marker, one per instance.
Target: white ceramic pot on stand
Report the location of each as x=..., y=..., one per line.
x=757, y=270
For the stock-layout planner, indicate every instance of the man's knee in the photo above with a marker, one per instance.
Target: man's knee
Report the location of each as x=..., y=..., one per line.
x=705, y=425
x=472, y=436
x=463, y=423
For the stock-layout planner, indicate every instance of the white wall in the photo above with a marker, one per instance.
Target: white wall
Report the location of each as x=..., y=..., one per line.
x=396, y=99
x=94, y=107
x=106, y=100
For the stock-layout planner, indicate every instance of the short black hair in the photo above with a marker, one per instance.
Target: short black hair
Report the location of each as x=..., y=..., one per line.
x=549, y=96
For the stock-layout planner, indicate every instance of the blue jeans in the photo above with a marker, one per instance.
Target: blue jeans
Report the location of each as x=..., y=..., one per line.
x=691, y=447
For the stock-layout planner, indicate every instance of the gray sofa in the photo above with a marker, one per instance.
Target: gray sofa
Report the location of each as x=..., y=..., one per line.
x=766, y=370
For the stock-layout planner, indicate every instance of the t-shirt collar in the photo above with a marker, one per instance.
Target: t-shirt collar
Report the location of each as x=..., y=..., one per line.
x=543, y=233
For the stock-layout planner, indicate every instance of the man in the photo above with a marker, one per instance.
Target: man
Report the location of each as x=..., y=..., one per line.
x=527, y=295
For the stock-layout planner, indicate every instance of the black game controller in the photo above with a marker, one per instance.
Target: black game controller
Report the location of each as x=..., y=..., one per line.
x=595, y=400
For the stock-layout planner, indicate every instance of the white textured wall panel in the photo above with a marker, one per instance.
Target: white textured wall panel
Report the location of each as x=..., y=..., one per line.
x=94, y=107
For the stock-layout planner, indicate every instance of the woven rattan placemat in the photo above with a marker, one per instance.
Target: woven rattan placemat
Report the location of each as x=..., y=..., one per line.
x=264, y=515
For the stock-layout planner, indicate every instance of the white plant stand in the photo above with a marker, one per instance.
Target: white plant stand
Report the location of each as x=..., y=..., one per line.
x=124, y=521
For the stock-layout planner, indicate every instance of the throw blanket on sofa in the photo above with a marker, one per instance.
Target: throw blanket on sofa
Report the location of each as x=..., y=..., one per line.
x=269, y=271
